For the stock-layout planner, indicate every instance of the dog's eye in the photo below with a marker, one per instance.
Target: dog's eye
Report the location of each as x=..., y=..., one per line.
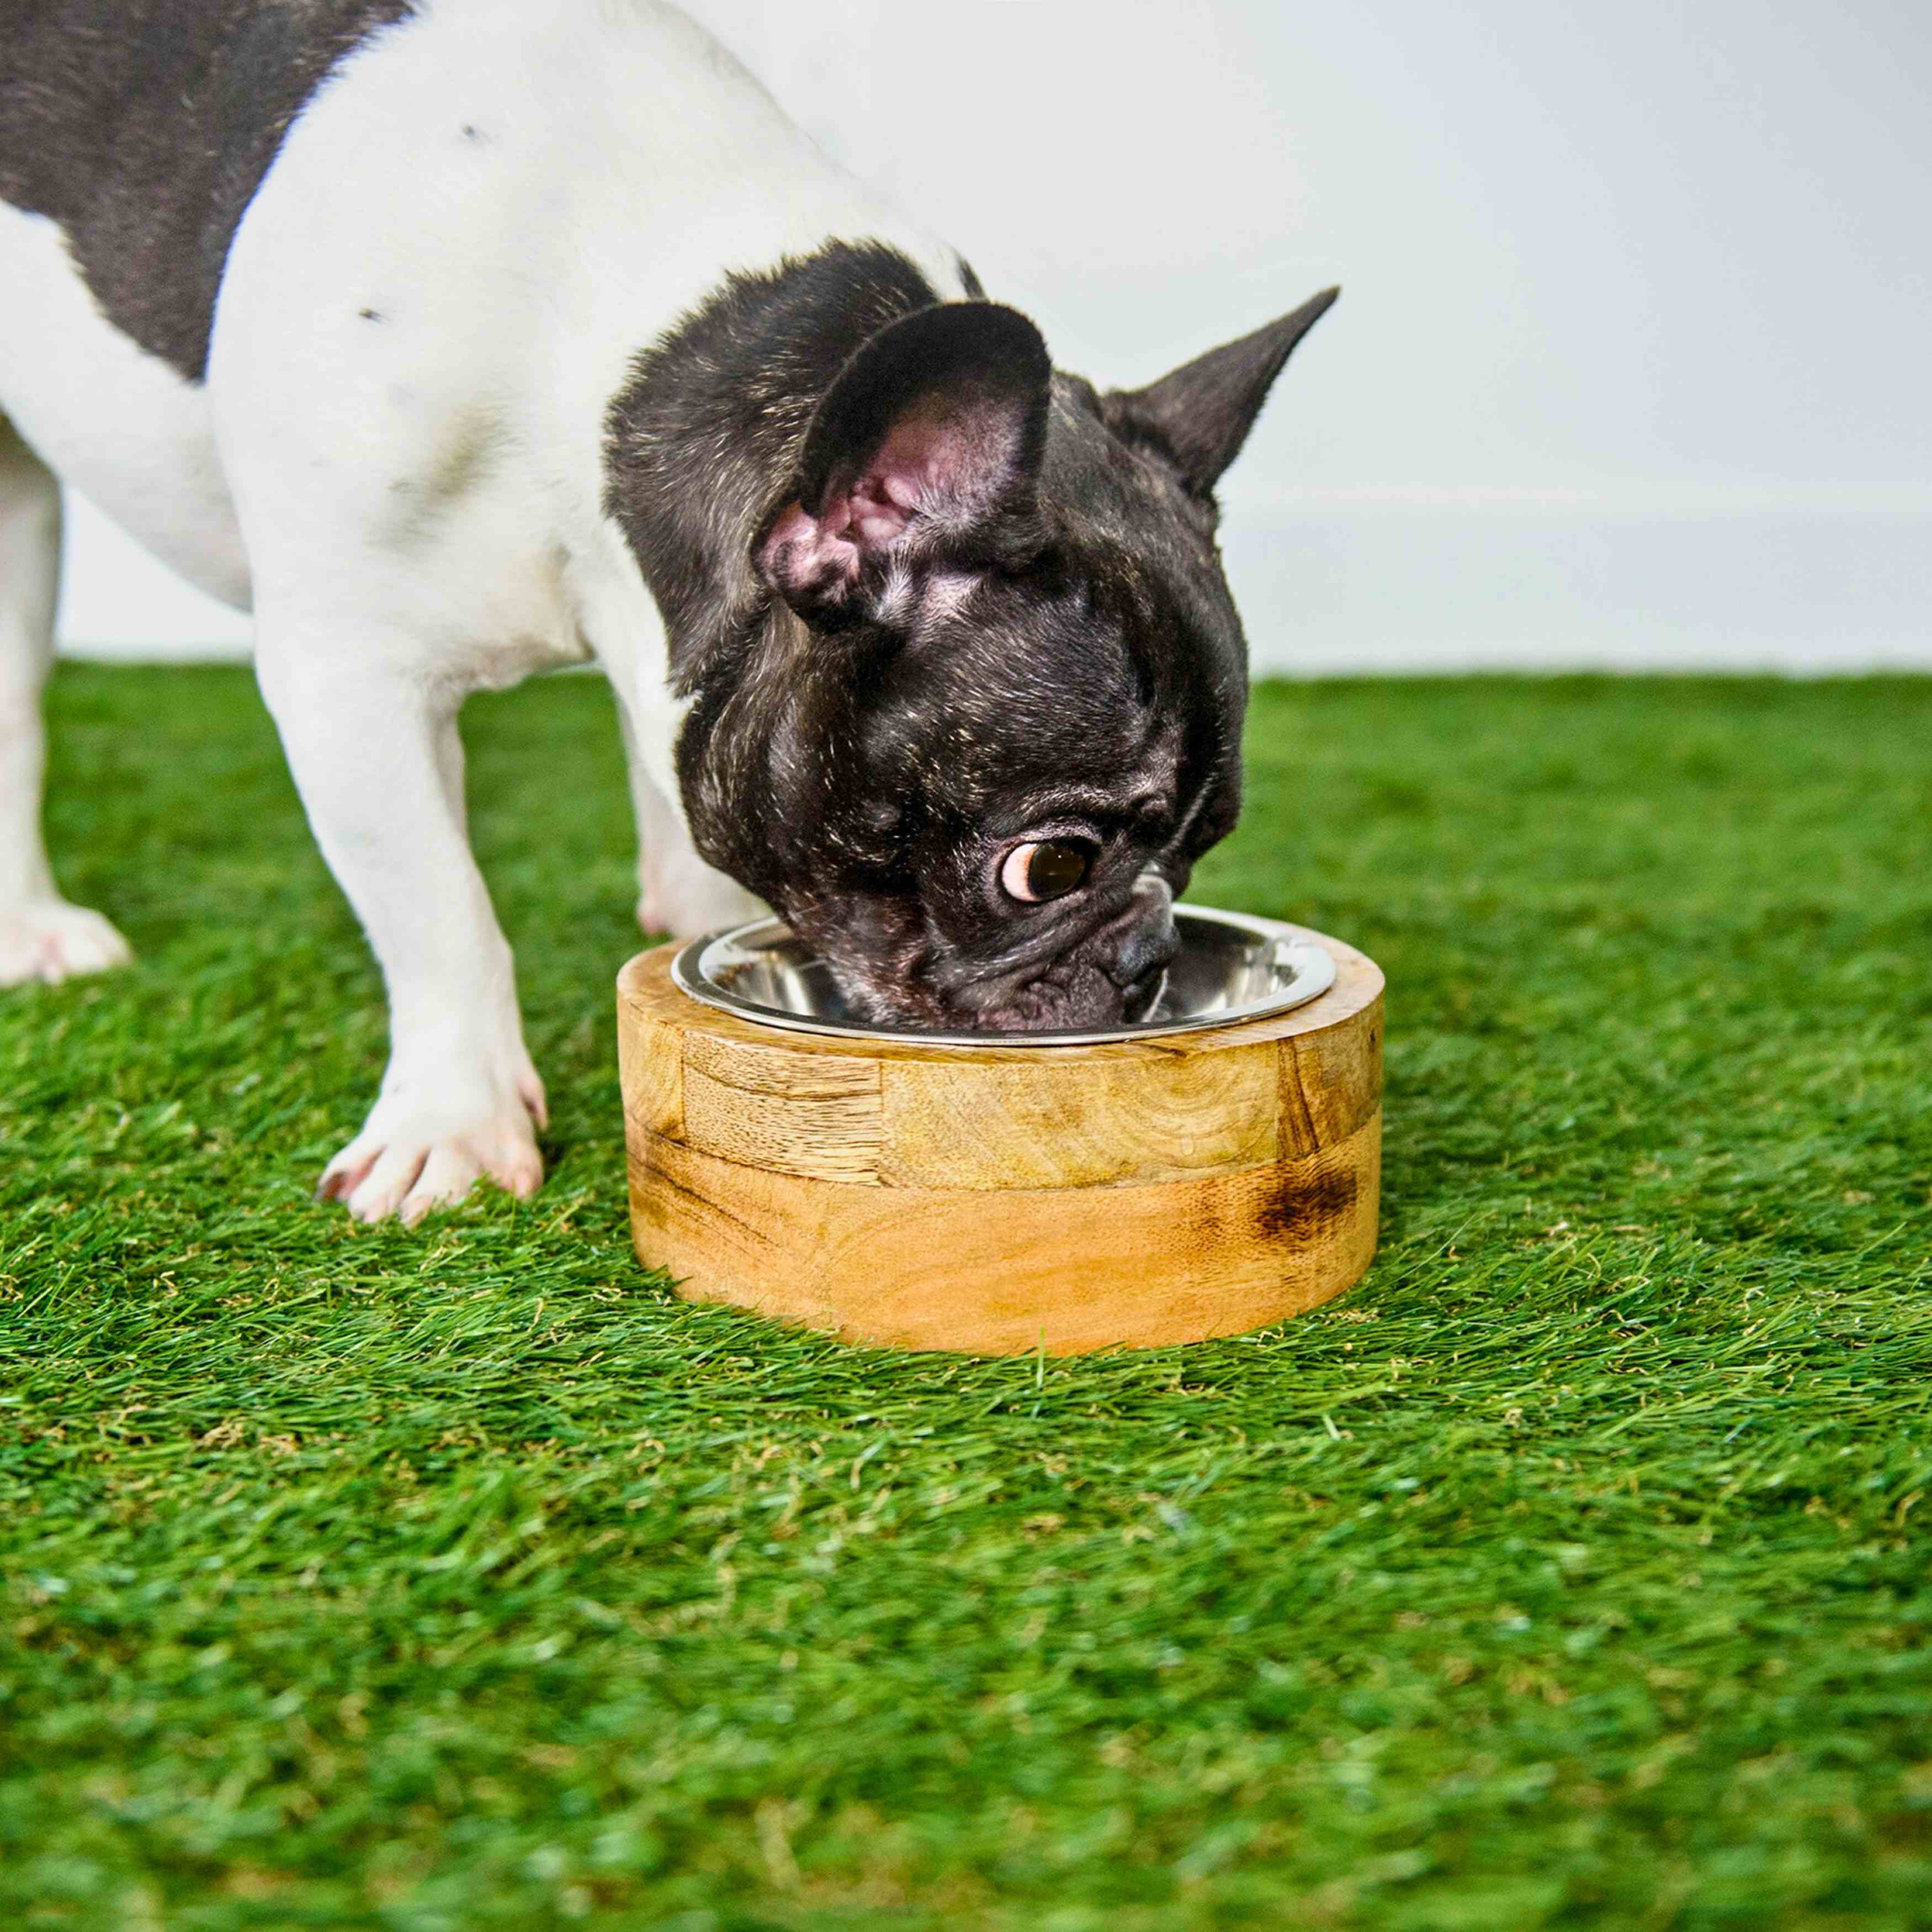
x=1045, y=868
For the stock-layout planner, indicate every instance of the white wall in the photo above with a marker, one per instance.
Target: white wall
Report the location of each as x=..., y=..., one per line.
x=1631, y=364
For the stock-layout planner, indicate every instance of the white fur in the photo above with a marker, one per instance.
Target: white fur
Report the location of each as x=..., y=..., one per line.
x=413, y=505
x=41, y=936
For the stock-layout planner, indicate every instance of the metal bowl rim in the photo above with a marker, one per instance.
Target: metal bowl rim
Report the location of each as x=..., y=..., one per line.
x=1313, y=966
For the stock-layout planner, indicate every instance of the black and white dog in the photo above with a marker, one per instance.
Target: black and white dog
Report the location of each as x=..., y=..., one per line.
x=460, y=338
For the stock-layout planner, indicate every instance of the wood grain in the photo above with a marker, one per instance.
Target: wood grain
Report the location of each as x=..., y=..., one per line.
x=997, y=1199
x=650, y=1071
x=1045, y=1123
x=818, y=1118
x=1070, y=1269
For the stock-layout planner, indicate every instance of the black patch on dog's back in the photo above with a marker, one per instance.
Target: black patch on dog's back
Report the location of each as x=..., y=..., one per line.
x=143, y=127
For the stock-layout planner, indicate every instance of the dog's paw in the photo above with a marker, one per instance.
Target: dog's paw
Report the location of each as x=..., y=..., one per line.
x=48, y=940
x=419, y=1150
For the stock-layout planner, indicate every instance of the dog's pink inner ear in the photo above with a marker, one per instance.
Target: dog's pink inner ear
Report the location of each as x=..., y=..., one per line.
x=926, y=450
x=927, y=463
x=927, y=460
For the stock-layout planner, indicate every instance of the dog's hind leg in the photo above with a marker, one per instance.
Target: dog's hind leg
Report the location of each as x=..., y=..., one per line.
x=41, y=936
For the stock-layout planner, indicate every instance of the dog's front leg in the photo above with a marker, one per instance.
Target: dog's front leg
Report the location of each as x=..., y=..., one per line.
x=374, y=750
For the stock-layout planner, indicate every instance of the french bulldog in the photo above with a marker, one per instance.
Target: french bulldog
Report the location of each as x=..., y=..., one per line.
x=460, y=339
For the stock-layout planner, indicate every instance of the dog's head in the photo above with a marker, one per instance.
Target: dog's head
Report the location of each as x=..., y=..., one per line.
x=1005, y=716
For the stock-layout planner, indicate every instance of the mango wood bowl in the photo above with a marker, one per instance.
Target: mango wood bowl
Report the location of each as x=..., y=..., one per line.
x=1211, y=1171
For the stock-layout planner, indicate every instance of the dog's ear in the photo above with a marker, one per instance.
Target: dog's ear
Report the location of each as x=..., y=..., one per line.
x=1201, y=414
x=928, y=443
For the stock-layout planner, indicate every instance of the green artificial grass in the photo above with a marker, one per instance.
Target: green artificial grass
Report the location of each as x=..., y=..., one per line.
x=1571, y=1572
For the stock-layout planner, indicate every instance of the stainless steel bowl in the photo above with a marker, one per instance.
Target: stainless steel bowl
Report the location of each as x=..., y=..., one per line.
x=1230, y=967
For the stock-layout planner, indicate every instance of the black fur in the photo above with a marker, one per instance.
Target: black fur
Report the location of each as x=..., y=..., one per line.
x=941, y=351
x=716, y=413
x=143, y=128
x=973, y=374
x=865, y=772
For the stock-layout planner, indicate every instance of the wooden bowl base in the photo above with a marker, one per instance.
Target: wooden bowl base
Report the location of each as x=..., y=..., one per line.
x=997, y=1201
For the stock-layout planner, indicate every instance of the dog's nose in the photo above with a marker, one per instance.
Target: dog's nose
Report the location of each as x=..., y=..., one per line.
x=1138, y=945
x=1138, y=1001
x=1142, y=952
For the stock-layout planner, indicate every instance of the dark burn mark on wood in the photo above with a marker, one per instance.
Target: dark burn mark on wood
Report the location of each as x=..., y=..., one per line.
x=1296, y=1211
x=144, y=127
x=1285, y=1207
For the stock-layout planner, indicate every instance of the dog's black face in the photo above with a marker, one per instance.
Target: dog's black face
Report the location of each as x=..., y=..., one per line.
x=1005, y=717
x=1024, y=773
